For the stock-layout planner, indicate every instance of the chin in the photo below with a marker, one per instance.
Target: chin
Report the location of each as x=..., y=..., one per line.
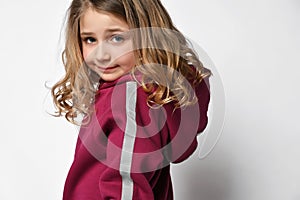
x=109, y=77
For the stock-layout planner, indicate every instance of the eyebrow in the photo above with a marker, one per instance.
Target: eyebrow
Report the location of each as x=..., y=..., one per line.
x=86, y=33
x=110, y=30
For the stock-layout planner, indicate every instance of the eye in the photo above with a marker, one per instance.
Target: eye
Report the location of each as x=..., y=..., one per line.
x=117, y=39
x=89, y=40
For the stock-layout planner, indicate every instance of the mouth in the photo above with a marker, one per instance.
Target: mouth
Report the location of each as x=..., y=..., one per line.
x=107, y=68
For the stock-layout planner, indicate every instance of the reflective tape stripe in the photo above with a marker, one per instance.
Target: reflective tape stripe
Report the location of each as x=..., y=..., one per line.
x=128, y=141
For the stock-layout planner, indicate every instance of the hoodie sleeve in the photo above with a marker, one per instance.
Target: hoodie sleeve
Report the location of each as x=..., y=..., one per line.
x=124, y=176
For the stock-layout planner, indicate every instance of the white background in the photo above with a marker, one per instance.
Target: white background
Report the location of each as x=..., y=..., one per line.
x=255, y=46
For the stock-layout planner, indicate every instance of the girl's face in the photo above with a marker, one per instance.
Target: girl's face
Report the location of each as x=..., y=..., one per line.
x=106, y=44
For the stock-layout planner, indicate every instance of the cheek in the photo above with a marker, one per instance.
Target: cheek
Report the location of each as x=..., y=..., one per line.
x=127, y=60
x=85, y=53
x=87, y=57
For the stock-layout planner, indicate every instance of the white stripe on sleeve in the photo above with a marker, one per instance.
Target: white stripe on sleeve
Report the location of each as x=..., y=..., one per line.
x=128, y=142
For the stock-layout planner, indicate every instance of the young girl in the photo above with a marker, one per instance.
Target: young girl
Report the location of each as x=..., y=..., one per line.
x=141, y=93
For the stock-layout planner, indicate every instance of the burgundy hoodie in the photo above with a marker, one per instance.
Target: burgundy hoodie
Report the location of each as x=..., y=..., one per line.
x=126, y=150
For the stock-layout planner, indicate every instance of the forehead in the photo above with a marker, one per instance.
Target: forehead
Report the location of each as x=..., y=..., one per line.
x=94, y=21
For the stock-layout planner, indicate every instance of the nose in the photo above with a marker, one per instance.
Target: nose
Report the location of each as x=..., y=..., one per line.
x=101, y=55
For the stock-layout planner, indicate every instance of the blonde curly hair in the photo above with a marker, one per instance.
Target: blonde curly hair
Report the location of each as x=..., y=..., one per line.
x=157, y=42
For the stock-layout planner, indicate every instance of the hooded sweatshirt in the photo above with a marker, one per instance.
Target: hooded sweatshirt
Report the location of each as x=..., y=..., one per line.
x=125, y=151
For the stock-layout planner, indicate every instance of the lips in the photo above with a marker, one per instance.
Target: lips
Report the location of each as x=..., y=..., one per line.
x=107, y=68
